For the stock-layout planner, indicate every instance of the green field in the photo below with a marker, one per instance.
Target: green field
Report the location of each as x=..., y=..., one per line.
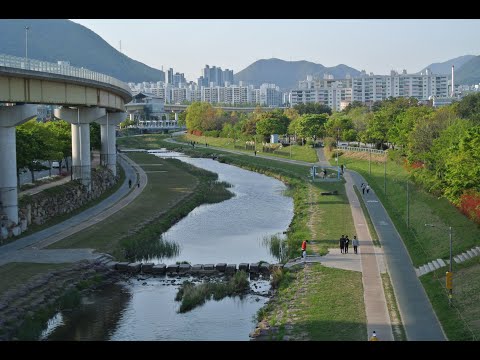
x=424, y=243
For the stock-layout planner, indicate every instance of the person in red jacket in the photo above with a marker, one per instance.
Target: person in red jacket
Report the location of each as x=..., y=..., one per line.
x=304, y=249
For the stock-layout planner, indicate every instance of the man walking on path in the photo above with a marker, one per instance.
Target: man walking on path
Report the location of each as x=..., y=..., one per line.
x=347, y=241
x=304, y=249
x=355, y=244
x=342, y=243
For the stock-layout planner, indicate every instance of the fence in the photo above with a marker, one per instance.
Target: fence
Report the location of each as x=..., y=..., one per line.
x=52, y=68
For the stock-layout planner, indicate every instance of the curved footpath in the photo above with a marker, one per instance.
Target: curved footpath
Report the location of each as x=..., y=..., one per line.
x=28, y=248
x=418, y=318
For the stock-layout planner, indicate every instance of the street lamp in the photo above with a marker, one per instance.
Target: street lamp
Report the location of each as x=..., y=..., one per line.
x=26, y=44
x=449, y=273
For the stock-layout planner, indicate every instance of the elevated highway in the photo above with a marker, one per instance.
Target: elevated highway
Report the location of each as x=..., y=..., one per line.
x=84, y=96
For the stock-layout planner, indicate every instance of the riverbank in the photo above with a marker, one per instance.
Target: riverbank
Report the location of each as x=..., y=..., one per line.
x=173, y=193
x=43, y=290
x=320, y=219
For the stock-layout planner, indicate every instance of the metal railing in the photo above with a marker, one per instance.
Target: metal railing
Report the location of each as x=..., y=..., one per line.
x=355, y=148
x=52, y=68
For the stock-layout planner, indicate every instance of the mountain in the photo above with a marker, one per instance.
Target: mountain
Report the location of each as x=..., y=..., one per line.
x=445, y=67
x=469, y=73
x=53, y=40
x=286, y=74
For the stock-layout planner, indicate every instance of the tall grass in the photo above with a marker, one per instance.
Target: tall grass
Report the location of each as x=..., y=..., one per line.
x=278, y=247
x=192, y=295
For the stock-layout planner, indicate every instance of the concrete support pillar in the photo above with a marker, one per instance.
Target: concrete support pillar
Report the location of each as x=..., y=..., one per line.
x=80, y=118
x=108, y=153
x=10, y=116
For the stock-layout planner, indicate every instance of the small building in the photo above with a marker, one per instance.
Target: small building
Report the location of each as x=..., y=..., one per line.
x=273, y=138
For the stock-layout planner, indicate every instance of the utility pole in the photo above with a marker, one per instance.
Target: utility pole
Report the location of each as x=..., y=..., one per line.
x=408, y=207
x=370, y=162
x=385, y=175
x=450, y=290
x=26, y=45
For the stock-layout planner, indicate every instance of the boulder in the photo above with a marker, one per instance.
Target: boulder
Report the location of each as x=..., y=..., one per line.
x=243, y=266
x=147, y=268
x=122, y=266
x=172, y=268
x=159, y=269
x=184, y=268
x=265, y=268
x=221, y=267
x=231, y=268
x=134, y=267
x=254, y=268
x=208, y=267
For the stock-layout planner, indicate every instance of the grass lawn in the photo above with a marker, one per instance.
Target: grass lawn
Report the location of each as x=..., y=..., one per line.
x=303, y=153
x=163, y=190
x=424, y=243
x=462, y=321
x=13, y=274
x=322, y=304
x=329, y=217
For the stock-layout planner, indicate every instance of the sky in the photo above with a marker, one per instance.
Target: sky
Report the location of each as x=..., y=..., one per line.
x=374, y=45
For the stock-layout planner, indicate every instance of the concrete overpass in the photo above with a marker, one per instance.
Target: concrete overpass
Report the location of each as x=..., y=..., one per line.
x=85, y=96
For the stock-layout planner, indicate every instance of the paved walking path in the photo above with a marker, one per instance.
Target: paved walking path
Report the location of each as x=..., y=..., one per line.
x=417, y=314
x=378, y=318
x=31, y=244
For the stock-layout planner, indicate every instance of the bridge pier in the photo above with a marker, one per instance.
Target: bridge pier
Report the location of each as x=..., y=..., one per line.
x=80, y=119
x=10, y=116
x=108, y=152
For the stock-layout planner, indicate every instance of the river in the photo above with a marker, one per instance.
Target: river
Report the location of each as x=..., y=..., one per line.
x=143, y=307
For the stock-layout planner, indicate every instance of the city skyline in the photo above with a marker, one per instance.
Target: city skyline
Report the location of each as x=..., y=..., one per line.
x=374, y=45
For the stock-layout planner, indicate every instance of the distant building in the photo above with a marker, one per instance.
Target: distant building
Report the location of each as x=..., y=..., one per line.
x=215, y=76
x=338, y=93
x=145, y=106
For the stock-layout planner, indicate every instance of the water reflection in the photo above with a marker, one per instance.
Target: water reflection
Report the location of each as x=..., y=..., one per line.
x=96, y=317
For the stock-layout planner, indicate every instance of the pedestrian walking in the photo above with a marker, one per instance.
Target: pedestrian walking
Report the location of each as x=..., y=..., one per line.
x=367, y=188
x=374, y=336
x=355, y=244
x=363, y=188
x=347, y=241
x=342, y=243
x=129, y=183
x=304, y=249
x=255, y=152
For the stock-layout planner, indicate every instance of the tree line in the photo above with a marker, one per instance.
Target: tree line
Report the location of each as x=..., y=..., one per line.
x=439, y=146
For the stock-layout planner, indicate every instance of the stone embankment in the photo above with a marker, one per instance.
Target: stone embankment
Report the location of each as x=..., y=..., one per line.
x=43, y=292
x=62, y=199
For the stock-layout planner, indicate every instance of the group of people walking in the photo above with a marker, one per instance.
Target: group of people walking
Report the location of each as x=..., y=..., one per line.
x=345, y=242
x=365, y=187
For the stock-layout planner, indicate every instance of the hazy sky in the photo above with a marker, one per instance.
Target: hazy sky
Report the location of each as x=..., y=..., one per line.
x=374, y=45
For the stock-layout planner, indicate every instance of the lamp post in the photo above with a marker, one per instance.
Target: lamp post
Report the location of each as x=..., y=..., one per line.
x=26, y=44
x=449, y=273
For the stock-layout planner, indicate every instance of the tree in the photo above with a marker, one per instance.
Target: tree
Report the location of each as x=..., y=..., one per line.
x=339, y=125
x=313, y=108
x=95, y=138
x=404, y=124
x=272, y=125
x=61, y=130
x=291, y=113
x=311, y=125
x=469, y=108
x=463, y=165
x=200, y=116
x=32, y=145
